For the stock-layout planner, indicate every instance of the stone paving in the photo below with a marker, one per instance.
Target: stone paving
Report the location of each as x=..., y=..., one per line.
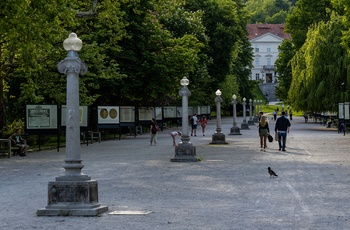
x=229, y=189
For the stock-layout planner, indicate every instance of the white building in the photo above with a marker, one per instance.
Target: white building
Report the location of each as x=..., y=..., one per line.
x=265, y=39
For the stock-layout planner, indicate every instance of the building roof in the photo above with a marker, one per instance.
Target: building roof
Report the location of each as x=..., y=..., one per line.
x=256, y=30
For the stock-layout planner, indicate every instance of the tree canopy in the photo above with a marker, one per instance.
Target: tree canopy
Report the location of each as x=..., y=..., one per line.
x=136, y=51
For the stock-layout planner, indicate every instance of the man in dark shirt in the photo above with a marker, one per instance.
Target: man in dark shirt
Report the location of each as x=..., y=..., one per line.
x=282, y=128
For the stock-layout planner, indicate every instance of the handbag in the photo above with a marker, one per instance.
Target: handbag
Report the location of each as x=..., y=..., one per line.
x=270, y=138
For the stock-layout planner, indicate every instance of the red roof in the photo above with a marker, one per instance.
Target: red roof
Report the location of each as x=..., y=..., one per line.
x=256, y=30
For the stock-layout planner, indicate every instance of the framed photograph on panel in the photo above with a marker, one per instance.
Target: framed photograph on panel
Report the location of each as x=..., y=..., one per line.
x=158, y=113
x=41, y=117
x=169, y=112
x=145, y=114
x=83, y=116
x=178, y=111
x=127, y=114
x=108, y=114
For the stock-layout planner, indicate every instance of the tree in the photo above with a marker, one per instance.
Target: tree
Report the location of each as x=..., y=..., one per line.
x=284, y=69
x=305, y=14
x=319, y=68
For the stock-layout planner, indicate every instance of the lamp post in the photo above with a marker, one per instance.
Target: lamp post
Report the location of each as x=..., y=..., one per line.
x=234, y=130
x=185, y=151
x=250, y=122
x=344, y=123
x=244, y=125
x=218, y=137
x=260, y=101
x=256, y=108
x=74, y=193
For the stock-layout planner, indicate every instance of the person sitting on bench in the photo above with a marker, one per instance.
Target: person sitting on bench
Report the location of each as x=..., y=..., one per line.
x=19, y=141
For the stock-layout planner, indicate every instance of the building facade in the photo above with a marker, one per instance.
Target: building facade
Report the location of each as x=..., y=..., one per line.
x=265, y=39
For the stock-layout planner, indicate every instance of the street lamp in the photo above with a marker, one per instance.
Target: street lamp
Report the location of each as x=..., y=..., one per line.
x=250, y=122
x=244, y=125
x=185, y=151
x=218, y=137
x=74, y=193
x=234, y=130
x=260, y=101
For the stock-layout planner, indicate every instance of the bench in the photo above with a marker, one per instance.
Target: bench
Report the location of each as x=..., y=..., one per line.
x=5, y=147
x=91, y=136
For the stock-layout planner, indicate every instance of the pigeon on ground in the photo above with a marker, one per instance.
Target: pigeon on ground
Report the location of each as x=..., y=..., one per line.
x=271, y=172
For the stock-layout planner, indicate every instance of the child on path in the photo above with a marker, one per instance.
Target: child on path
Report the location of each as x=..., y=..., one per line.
x=173, y=135
x=204, y=123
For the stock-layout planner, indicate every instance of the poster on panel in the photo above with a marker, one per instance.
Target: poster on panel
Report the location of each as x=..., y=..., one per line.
x=127, y=114
x=341, y=110
x=178, y=111
x=190, y=111
x=145, y=114
x=41, y=116
x=83, y=116
x=158, y=113
x=347, y=116
x=108, y=114
x=169, y=112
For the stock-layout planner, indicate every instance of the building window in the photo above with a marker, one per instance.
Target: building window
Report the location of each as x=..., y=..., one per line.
x=257, y=61
x=268, y=61
x=257, y=76
x=268, y=49
x=256, y=49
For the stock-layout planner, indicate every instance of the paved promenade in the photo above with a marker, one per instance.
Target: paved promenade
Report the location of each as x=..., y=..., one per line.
x=229, y=189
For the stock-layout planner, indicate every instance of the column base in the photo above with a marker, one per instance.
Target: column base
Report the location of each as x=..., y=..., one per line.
x=245, y=126
x=185, y=152
x=218, y=139
x=250, y=122
x=235, y=131
x=72, y=198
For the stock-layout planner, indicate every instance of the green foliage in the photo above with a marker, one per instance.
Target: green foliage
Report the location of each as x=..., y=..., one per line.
x=319, y=69
x=268, y=11
x=284, y=69
x=11, y=128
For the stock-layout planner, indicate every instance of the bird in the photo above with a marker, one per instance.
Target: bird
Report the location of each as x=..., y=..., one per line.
x=271, y=172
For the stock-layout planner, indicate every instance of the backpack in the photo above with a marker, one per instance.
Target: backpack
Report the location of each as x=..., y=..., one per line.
x=154, y=129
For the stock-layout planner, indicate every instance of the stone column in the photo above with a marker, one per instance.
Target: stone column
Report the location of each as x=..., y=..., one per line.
x=234, y=129
x=74, y=193
x=218, y=137
x=244, y=125
x=185, y=151
x=250, y=122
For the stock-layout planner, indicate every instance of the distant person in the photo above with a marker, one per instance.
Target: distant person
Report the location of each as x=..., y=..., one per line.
x=282, y=128
x=290, y=115
x=154, y=131
x=274, y=115
x=173, y=136
x=19, y=141
x=306, y=117
x=203, y=121
x=194, y=122
x=263, y=131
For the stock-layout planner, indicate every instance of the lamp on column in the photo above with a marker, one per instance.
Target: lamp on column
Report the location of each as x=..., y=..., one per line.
x=73, y=193
x=218, y=137
x=234, y=129
x=185, y=151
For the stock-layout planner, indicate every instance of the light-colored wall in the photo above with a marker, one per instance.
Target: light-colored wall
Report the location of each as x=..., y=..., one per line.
x=263, y=43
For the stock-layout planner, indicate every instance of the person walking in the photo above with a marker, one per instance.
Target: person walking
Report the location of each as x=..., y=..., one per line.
x=290, y=114
x=282, y=128
x=263, y=132
x=274, y=115
x=204, y=123
x=194, y=121
x=154, y=131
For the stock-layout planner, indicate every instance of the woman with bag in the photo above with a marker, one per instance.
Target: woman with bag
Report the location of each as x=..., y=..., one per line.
x=154, y=131
x=263, y=132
